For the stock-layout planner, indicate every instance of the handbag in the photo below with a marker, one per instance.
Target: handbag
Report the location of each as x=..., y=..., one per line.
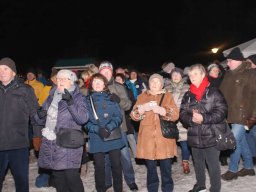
x=114, y=134
x=225, y=139
x=69, y=138
x=169, y=128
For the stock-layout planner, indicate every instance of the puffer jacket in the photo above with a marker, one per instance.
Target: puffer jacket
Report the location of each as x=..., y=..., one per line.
x=52, y=156
x=110, y=117
x=213, y=108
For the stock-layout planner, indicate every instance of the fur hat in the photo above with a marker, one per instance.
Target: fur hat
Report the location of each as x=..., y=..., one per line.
x=252, y=58
x=160, y=77
x=235, y=54
x=68, y=74
x=168, y=67
x=105, y=64
x=9, y=63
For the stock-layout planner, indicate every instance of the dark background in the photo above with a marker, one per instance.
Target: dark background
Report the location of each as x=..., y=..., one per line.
x=142, y=36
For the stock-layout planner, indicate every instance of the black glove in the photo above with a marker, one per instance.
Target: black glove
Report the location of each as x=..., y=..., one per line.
x=67, y=97
x=41, y=113
x=114, y=98
x=104, y=133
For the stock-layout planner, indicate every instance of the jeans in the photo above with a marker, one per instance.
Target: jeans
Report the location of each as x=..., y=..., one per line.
x=251, y=140
x=17, y=160
x=166, y=175
x=126, y=163
x=185, y=152
x=209, y=155
x=242, y=148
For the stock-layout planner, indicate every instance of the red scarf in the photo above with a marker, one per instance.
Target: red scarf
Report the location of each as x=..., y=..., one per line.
x=87, y=83
x=199, y=91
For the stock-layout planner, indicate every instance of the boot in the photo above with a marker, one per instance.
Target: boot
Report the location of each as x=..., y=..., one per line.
x=185, y=165
x=223, y=160
x=228, y=176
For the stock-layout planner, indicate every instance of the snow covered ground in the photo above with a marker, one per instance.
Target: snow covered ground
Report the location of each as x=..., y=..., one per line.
x=182, y=182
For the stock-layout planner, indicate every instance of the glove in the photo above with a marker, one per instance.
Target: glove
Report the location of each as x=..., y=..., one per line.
x=41, y=113
x=37, y=143
x=159, y=110
x=144, y=107
x=115, y=98
x=67, y=97
x=104, y=133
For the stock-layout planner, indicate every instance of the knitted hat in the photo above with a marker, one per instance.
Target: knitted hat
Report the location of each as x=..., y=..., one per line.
x=235, y=54
x=177, y=70
x=9, y=63
x=105, y=65
x=32, y=70
x=68, y=74
x=211, y=66
x=160, y=77
x=252, y=58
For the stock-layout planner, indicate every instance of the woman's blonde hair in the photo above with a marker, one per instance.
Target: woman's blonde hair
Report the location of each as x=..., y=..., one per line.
x=198, y=66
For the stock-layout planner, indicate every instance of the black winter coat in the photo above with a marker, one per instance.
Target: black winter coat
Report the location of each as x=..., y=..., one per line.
x=17, y=104
x=213, y=108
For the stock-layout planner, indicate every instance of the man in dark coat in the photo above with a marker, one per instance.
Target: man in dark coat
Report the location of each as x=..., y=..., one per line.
x=239, y=90
x=17, y=104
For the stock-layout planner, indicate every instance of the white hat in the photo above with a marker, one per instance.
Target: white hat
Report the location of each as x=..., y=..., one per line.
x=68, y=74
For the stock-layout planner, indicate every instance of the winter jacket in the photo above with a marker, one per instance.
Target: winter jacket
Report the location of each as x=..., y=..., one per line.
x=239, y=90
x=17, y=104
x=151, y=143
x=37, y=86
x=178, y=90
x=110, y=117
x=52, y=156
x=125, y=102
x=213, y=108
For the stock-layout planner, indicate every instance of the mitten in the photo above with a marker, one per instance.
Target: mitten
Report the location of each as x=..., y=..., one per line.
x=104, y=133
x=67, y=97
x=159, y=110
x=114, y=98
x=41, y=113
x=37, y=143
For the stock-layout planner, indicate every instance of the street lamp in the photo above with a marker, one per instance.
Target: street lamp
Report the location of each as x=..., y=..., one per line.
x=215, y=50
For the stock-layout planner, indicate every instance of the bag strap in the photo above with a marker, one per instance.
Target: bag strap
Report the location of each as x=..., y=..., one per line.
x=93, y=109
x=162, y=98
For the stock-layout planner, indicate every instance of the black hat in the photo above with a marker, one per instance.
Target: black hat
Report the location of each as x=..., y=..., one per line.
x=252, y=58
x=8, y=62
x=235, y=54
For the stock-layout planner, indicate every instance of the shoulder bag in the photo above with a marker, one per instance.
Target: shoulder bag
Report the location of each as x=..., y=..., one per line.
x=169, y=128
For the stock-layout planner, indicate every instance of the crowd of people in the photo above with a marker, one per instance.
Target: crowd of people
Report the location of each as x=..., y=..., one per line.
x=113, y=115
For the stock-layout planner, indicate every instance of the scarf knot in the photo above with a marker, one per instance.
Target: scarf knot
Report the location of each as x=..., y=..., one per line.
x=199, y=91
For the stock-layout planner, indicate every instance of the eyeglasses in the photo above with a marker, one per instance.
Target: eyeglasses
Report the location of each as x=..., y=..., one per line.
x=62, y=79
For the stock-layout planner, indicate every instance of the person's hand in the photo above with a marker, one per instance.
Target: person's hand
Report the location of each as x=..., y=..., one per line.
x=115, y=98
x=144, y=107
x=41, y=113
x=159, y=110
x=251, y=122
x=197, y=117
x=37, y=143
x=67, y=97
x=104, y=133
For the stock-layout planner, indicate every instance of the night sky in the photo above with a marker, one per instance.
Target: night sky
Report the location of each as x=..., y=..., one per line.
x=142, y=36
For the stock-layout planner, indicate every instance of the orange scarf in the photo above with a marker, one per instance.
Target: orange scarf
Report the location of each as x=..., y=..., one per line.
x=199, y=91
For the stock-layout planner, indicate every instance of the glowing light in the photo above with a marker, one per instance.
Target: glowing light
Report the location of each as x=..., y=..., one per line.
x=215, y=50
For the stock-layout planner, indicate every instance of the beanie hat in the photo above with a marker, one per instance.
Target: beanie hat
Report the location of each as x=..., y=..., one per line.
x=68, y=74
x=160, y=77
x=211, y=66
x=106, y=65
x=9, y=63
x=235, y=54
x=177, y=70
x=252, y=58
